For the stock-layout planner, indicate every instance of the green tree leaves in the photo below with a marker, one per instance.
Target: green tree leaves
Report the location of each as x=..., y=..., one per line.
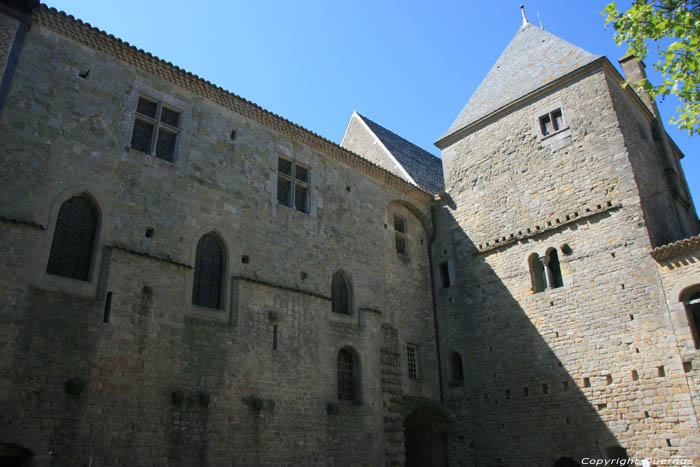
x=674, y=27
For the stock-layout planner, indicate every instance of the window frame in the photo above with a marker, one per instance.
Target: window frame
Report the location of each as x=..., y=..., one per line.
x=157, y=124
x=456, y=363
x=412, y=362
x=551, y=118
x=294, y=182
x=354, y=378
x=691, y=304
x=91, y=249
x=344, y=304
x=220, y=300
x=401, y=235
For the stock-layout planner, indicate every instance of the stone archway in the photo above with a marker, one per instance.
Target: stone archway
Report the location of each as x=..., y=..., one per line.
x=425, y=437
x=14, y=455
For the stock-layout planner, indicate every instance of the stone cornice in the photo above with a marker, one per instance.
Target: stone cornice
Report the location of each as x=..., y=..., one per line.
x=12, y=220
x=98, y=40
x=675, y=249
x=164, y=259
x=546, y=226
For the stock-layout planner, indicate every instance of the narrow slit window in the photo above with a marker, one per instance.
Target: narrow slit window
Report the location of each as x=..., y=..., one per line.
x=553, y=269
x=457, y=368
x=412, y=357
x=445, y=274
x=400, y=235
x=348, y=376
x=340, y=294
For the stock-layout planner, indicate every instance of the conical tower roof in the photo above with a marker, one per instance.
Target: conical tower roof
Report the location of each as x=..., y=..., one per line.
x=533, y=59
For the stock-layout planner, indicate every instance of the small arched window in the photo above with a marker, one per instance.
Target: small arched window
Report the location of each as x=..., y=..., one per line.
x=348, y=376
x=537, y=275
x=208, y=272
x=553, y=269
x=340, y=294
x=73, y=239
x=457, y=368
x=691, y=300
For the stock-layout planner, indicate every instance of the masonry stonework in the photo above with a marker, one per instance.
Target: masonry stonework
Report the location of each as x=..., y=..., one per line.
x=123, y=369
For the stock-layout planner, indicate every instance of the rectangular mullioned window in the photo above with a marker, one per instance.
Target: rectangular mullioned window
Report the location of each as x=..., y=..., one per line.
x=551, y=122
x=156, y=129
x=293, y=185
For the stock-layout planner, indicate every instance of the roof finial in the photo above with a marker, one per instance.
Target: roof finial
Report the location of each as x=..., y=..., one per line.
x=522, y=10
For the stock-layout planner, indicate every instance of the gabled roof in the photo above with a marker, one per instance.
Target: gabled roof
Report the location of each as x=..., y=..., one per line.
x=533, y=59
x=424, y=168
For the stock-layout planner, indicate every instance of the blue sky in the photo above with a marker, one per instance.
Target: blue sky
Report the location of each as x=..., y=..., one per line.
x=408, y=65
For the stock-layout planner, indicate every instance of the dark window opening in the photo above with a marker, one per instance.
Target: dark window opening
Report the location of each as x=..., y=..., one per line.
x=692, y=309
x=412, y=360
x=347, y=376
x=553, y=269
x=73, y=237
x=208, y=272
x=457, y=368
x=551, y=122
x=400, y=234
x=293, y=185
x=340, y=294
x=445, y=274
x=156, y=129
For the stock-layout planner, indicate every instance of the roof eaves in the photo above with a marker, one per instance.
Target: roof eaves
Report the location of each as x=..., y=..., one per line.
x=675, y=249
x=90, y=36
x=450, y=138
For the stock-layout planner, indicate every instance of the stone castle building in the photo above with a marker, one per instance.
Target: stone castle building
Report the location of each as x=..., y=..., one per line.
x=191, y=280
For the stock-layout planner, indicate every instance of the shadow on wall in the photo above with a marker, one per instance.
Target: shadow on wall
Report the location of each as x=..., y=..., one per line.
x=513, y=400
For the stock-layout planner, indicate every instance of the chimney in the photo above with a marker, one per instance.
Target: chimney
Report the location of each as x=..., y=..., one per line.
x=634, y=73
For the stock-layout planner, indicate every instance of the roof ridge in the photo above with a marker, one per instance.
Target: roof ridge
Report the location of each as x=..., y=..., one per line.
x=61, y=23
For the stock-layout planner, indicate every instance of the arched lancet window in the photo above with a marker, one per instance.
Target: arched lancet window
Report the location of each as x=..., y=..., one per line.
x=553, y=269
x=73, y=239
x=537, y=275
x=691, y=299
x=348, y=376
x=208, y=272
x=340, y=294
x=457, y=368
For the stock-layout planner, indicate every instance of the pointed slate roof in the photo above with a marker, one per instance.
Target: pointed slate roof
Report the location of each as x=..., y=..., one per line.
x=533, y=58
x=424, y=168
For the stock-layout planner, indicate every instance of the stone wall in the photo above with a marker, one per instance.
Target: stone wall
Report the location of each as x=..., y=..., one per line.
x=164, y=382
x=678, y=275
x=573, y=370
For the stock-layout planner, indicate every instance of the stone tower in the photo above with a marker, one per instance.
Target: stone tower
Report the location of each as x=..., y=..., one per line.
x=556, y=341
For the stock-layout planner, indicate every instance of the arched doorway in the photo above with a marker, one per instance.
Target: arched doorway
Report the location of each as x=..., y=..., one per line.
x=14, y=455
x=425, y=435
